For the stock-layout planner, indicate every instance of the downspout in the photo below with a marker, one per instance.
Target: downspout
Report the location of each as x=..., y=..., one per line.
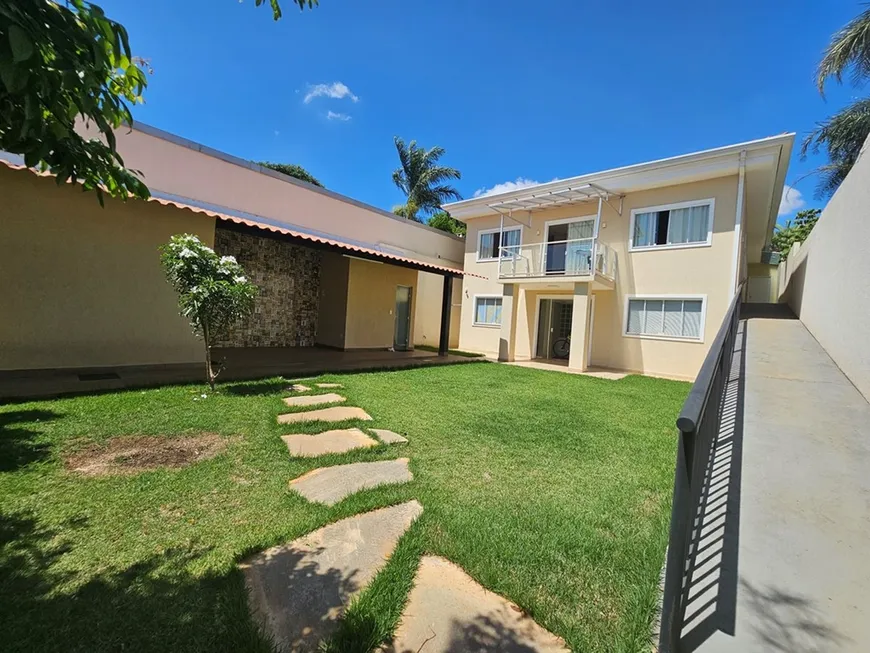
x=738, y=224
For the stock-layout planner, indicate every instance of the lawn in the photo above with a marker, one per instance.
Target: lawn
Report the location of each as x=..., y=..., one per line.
x=551, y=489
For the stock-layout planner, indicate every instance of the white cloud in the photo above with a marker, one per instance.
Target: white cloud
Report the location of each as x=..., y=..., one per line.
x=506, y=187
x=332, y=115
x=336, y=91
x=792, y=200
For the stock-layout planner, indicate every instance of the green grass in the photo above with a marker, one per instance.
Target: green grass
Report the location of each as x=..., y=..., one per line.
x=551, y=489
x=455, y=352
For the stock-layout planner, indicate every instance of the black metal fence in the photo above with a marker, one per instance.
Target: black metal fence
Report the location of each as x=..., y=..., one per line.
x=698, y=424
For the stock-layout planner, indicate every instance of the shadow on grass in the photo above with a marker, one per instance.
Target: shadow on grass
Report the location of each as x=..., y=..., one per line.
x=156, y=604
x=18, y=435
x=256, y=388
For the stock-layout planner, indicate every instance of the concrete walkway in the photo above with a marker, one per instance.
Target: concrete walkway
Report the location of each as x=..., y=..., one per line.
x=783, y=562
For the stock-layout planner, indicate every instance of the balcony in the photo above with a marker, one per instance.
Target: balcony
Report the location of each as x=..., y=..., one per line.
x=579, y=259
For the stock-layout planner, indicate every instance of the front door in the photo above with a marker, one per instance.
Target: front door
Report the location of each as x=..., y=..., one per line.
x=555, y=317
x=402, y=333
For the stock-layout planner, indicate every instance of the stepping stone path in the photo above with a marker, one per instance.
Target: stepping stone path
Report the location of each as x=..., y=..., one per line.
x=389, y=437
x=337, y=441
x=298, y=590
x=314, y=400
x=330, y=485
x=335, y=414
x=449, y=612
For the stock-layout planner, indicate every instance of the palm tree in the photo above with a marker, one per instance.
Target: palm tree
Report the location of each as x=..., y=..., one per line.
x=422, y=179
x=843, y=134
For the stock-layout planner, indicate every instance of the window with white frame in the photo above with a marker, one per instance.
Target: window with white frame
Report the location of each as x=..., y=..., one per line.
x=665, y=318
x=487, y=311
x=492, y=241
x=677, y=225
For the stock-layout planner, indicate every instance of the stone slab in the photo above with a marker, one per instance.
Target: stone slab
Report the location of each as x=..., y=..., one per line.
x=389, y=437
x=448, y=612
x=298, y=591
x=330, y=485
x=336, y=441
x=298, y=387
x=314, y=400
x=334, y=414
x=329, y=385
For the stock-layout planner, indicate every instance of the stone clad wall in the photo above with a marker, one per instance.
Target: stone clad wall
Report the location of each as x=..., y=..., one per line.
x=288, y=277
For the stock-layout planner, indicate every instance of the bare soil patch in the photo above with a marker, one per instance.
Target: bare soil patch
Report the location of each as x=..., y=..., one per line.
x=132, y=455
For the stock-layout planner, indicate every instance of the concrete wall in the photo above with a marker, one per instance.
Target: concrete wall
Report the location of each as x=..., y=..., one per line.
x=371, y=303
x=427, y=313
x=825, y=279
x=288, y=279
x=83, y=286
x=332, y=317
x=702, y=270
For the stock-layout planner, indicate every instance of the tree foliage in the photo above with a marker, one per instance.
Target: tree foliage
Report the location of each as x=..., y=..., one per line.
x=293, y=170
x=422, y=180
x=276, y=6
x=62, y=63
x=213, y=291
x=445, y=222
x=794, y=232
x=842, y=135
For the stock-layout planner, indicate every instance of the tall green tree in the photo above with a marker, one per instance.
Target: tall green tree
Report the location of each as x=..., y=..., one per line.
x=797, y=231
x=293, y=170
x=842, y=135
x=445, y=222
x=62, y=63
x=423, y=180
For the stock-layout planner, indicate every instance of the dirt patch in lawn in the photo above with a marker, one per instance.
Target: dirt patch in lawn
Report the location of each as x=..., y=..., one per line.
x=132, y=455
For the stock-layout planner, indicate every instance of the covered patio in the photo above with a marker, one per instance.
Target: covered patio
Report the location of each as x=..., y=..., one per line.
x=241, y=364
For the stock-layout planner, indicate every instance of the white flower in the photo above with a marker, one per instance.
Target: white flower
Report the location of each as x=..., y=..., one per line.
x=228, y=259
x=186, y=253
x=204, y=396
x=240, y=279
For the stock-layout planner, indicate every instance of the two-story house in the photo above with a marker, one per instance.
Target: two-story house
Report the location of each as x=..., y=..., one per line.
x=629, y=269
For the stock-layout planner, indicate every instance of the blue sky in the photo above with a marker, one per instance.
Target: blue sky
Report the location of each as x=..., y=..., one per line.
x=513, y=90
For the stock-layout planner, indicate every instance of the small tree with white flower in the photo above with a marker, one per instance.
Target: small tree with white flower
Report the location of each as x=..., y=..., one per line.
x=213, y=291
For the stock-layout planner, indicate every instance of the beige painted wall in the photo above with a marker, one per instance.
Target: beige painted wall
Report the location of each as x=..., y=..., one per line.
x=371, y=303
x=825, y=279
x=705, y=270
x=88, y=289
x=180, y=170
x=427, y=313
x=769, y=271
x=332, y=315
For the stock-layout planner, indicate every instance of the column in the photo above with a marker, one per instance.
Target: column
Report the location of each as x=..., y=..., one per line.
x=446, y=305
x=508, y=334
x=580, y=327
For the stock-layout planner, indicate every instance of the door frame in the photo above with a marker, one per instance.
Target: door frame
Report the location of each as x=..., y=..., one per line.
x=566, y=297
x=580, y=218
x=407, y=347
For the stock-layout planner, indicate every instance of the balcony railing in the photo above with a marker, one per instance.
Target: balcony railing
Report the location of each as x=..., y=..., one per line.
x=564, y=258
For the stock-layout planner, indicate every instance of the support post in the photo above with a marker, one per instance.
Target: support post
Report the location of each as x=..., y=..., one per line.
x=580, y=328
x=446, y=306
x=507, y=335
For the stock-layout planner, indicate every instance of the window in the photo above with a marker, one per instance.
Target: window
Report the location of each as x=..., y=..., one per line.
x=487, y=311
x=678, y=225
x=490, y=241
x=667, y=318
